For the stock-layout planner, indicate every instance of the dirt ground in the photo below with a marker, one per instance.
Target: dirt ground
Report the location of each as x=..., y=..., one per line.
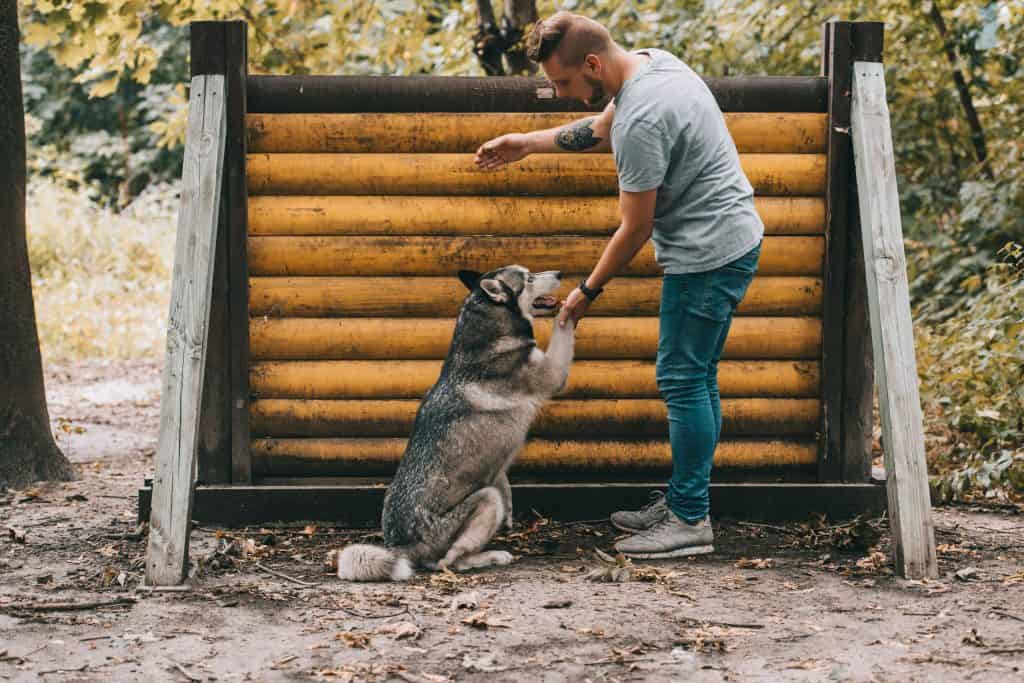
x=813, y=601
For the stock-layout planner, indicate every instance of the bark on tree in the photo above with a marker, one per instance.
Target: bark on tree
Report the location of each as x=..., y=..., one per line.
x=28, y=452
x=966, y=100
x=497, y=47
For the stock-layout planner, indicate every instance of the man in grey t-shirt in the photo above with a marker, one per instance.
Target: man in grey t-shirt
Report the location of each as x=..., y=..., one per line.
x=680, y=185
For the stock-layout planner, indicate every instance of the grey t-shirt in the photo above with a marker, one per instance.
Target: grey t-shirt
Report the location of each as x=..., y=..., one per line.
x=668, y=133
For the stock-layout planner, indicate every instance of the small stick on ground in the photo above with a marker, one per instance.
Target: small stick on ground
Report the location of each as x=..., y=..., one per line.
x=726, y=624
x=284, y=576
x=781, y=529
x=65, y=606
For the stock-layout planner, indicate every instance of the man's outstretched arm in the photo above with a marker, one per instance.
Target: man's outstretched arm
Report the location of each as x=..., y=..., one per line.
x=589, y=134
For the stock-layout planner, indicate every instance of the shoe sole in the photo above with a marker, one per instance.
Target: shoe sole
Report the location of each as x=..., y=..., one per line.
x=628, y=529
x=678, y=552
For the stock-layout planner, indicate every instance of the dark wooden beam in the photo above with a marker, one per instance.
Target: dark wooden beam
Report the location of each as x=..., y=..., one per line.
x=359, y=505
x=338, y=94
x=837, y=67
x=237, y=201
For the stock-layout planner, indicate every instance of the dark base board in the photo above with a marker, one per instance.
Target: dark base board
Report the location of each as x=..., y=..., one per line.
x=359, y=504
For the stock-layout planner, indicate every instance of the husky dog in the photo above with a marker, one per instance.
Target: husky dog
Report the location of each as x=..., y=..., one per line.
x=450, y=493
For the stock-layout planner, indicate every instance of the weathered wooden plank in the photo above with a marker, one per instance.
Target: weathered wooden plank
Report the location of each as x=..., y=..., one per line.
x=892, y=331
x=188, y=321
x=397, y=379
x=859, y=369
x=444, y=256
x=563, y=419
x=484, y=215
x=439, y=132
x=369, y=456
x=457, y=174
x=310, y=297
x=600, y=338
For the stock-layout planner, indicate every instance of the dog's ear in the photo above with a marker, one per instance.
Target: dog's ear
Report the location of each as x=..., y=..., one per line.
x=470, y=278
x=497, y=292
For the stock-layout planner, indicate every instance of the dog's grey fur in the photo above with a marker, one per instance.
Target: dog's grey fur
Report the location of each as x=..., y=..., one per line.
x=451, y=493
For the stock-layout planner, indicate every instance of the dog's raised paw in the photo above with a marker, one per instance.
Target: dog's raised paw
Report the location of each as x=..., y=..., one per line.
x=502, y=557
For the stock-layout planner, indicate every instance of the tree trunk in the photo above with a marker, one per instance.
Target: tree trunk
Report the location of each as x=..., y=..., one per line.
x=492, y=43
x=966, y=100
x=27, y=449
x=488, y=43
x=519, y=14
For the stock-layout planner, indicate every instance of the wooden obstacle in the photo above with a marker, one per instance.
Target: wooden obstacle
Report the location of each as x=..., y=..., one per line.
x=340, y=190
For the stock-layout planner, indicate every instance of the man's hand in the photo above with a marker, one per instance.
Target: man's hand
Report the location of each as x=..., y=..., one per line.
x=574, y=307
x=502, y=150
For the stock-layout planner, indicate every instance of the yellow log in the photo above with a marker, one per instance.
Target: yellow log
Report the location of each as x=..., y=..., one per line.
x=442, y=297
x=789, y=255
x=367, y=379
x=750, y=338
x=458, y=174
x=412, y=215
x=333, y=456
x=794, y=133
x=559, y=419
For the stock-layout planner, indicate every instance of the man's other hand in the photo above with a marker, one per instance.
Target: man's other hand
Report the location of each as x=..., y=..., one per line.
x=574, y=307
x=502, y=150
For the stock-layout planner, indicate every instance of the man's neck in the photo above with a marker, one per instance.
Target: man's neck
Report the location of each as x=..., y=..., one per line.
x=627, y=64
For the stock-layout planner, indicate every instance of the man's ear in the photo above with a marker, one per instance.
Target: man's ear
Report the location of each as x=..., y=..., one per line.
x=470, y=278
x=495, y=290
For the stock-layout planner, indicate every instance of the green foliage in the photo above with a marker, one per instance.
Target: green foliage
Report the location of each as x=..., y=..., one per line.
x=971, y=367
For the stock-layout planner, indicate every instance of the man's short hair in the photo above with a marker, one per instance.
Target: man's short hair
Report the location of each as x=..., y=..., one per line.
x=571, y=36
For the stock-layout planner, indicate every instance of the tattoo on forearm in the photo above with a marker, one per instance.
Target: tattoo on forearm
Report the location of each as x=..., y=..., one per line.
x=578, y=136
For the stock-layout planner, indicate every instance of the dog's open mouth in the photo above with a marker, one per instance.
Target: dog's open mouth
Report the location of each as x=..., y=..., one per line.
x=545, y=302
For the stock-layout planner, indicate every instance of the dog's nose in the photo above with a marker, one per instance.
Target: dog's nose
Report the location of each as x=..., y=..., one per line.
x=558, y=274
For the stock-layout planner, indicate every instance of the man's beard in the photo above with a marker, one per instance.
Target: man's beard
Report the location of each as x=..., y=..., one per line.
x=597, y=90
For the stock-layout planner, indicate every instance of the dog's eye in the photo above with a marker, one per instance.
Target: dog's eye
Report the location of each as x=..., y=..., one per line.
x=529, y=279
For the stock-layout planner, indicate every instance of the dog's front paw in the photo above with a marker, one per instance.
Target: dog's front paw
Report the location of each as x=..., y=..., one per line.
x=502, y=557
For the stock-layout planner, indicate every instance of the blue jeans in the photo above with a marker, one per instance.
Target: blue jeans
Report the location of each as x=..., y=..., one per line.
x=696, y=312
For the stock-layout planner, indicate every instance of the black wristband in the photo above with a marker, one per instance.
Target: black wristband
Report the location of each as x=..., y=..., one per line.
x=587, y=291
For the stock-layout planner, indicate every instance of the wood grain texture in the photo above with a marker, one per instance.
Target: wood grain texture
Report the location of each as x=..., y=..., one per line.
x=184, y=364
x=457, y=174
x=282, y=297
x=397, y=379
x=752, y=132
x=361, y=457
x=421, y=256
x=484, y=215
x=892, y=330
x=750, y=338
x=564, y=419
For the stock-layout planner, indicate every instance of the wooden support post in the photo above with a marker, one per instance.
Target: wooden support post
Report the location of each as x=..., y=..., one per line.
x=836, y=66
x=236, y=202
x=220, y=48
x=892, y=332
x=187, y=334
x=858, y=366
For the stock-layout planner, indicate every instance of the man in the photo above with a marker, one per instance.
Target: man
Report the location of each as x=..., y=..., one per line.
x=681, y=185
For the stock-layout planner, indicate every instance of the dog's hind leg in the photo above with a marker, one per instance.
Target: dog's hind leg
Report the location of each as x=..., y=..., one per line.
x=505, y=489
x=488, y=558
x=484, y=514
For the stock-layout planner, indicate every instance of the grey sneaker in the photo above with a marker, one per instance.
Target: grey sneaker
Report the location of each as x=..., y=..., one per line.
x=644, y=518
x=671, y=537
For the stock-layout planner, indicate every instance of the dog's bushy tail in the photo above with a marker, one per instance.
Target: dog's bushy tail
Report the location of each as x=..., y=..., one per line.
x=360, y=562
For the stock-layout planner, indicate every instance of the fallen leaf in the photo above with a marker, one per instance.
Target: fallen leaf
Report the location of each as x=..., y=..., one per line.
x=360, y=641
x=755, y=563
x=479, y=620
x=16, y=535
x=967, y=573
x=465, y=601
x=400, y=630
